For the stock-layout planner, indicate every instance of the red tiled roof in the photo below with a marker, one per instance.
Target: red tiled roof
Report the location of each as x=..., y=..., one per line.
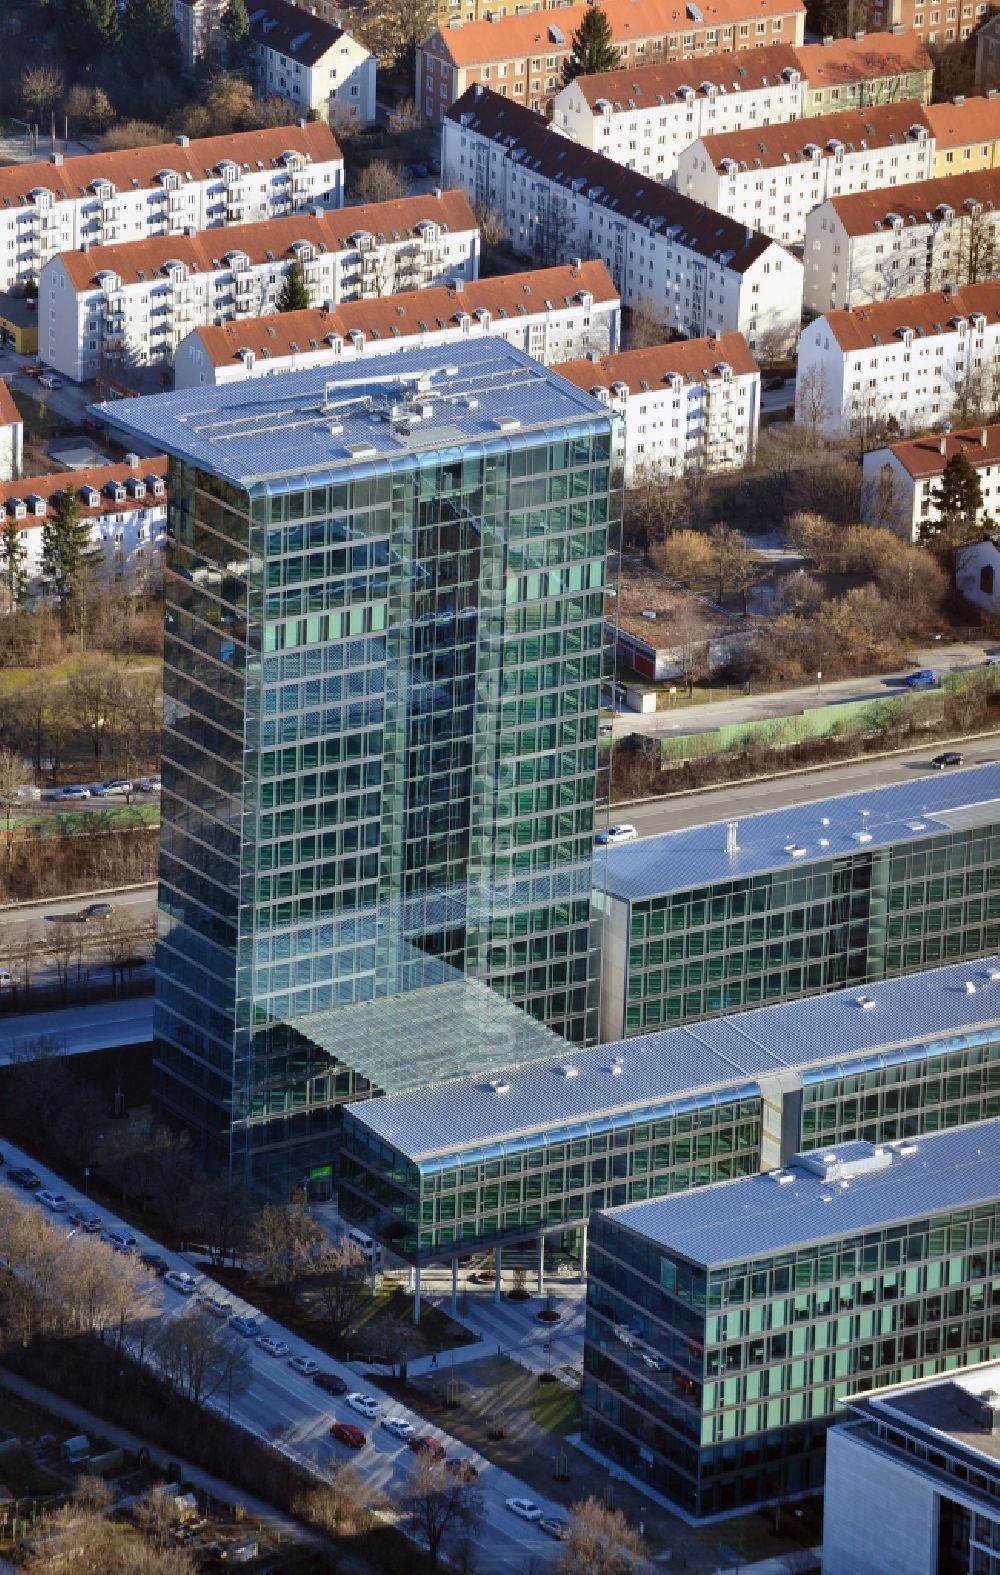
x=643, y=87
x=139, y=167
x=411, y=313
x=928, y=456
x=330, y=231
x=9, y=413
x=695, y=359
x=766, y=147
x=975, y=120
x=100, y=476
x=860, y=211
x=879, y=322
x=862, y=59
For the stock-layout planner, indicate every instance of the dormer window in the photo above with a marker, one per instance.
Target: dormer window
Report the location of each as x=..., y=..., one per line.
x=156, y=485
x=169, y=179
x=427, y=230
x=42, y=199
x=303, y=250
x=116, y=491
x=228, y=170
x=103, y=190
x=137, y=487
x=90, y=496
x=17, y=508
x=236, y=261
x=36, y=504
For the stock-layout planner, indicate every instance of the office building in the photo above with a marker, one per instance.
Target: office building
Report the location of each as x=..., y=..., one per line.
x=903, y=365
x=966, y=134
x=521, y=56
x=318, y=67
x=131, y=305
x=690, y=268
x=913, y=1477
x=901, y=480
x=382, y=681
x=529, y=1151
x=876, y=245
x=551, y=313
x=104, y=199
x=795, y=901
x=726, y=1326
x=690, y=405
x=773, y=178
x=11, y=435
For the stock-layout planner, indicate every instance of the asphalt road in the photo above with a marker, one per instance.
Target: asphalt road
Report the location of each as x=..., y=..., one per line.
x=138, y=900
x=75, y=1030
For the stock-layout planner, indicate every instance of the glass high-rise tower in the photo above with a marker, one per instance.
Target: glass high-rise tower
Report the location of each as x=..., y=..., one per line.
x=384, y=639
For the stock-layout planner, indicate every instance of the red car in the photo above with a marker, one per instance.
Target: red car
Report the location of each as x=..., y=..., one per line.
x=426, y=1446
x=35, y=369
x=348, y=1434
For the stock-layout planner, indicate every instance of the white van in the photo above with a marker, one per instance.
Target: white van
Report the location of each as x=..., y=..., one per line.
x=365, y=1245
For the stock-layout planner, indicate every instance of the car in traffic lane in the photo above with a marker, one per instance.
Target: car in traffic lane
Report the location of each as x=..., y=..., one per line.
x=398, y=1426
x=330, y=1383
x=366, y=1404
x=178, y=1280
x=623, y=832
x=949, y=757
x=526, y=1508
x=306, y=1366
x=248, y=1327
x=272, y=1347
x=347, y=1433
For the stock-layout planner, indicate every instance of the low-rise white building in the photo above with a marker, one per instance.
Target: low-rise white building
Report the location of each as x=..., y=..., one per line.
x=915, y=362
x=552, y=313
x=120, y=306
x=900, y=479
x=104, y=199
x=690, y=405
x=315, y=65
x=11, y=436
x=876, y=245
x=977, y=573
x=644, y=117
x=124, y=506
x=695, y=270
x=774, y=178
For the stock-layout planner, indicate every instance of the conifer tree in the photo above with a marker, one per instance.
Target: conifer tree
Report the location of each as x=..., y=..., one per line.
x=14, y=556
x=65, y=548
x=959, y=504
x=238, y=43
x=149, y=39
x=294, y=295
x=593, y=48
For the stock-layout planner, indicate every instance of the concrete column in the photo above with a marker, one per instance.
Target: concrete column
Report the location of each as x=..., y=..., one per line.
x=541, y=1263
x=416, y=1296
x=454, y=1286
x=496, y=1276
x=583, y=1250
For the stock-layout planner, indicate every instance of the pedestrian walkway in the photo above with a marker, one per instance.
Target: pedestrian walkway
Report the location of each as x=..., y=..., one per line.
x=514, y=1329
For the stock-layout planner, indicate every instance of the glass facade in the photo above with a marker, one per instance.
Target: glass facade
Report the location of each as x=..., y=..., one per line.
x=382, y=688
x=825, y=925
x=716, y=1385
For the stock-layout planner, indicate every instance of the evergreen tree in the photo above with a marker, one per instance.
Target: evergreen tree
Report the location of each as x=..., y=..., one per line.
x=238, y=43
x=959, y=503
x=14, y=555
x=149, y=39
x=593, y=48
x=89, y=31
x=65, y=548
x=294, y=295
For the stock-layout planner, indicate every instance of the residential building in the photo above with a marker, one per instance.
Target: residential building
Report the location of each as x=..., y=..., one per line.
x=911, y=363
x=794, y=902
x=727, y=1325
x=773, y=179
x=11, y=436
x=690, y=405
x=936, y=21
x=876, y=245
x=913, y=1476
x=977, y=573
x=103, y=199
x=645, y=116
x=199, y=29
x=662, y=632
x=475, y=1163
x=521, y=57
x=552, y=313
x=988, y=55
x=907, y=475
x=966, y=134
x=866, y=69
x=133, y=304
x=318, y=67
x=124, y=506
x=696, y=271
x=380, y=772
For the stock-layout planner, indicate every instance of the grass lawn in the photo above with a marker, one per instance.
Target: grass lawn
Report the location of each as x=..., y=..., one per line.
x=25, y=1479
x=555, y=1407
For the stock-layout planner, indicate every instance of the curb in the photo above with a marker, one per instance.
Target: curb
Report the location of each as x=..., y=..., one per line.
x=73, y=896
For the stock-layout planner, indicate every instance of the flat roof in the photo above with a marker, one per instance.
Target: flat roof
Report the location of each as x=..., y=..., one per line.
x=947, y=1409
x=829, y=828
x=713, y=1059
x=736, y=1221
x=331, y=418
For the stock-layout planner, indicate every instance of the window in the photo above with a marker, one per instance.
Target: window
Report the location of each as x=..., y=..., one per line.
x=986, y=578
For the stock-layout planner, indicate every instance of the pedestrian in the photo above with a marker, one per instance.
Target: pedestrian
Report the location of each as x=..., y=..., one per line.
x=434, y=1361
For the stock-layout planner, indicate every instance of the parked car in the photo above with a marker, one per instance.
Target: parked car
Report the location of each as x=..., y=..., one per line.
x=245, y=1325
x=120, y=1240
x=426, y=1446
x=950, y=757
x=48, y=381
x=347, y=1433
x=74, y=792
x=272, y=1347
x=153, y=1261
x=84, y=1220
x=147, y=785
x=418, y=171
x=6, y=979
x=26, y=1178
x=304, y=1365
x=366, y=1404
x=56, y=1201
x=524, y=1507
x=555, y=1526
x=179, y=1280
x=398, y=1426
x=615, y=834
x=116, y=785
x=463, y=1470
x=216, y=1305
x=330, y=1383
x=924, y=678
x=434, y=166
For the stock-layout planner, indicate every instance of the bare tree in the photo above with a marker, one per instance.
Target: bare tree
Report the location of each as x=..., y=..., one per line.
x=283, y=1239
x=734, y=565
x=685, y=555
x=341, y=1279
x=218, y=1211
x=599, y=1541
x=345, y=1506
x=813, y=404
x=405, y=116
x=440, y=1508
x=41, y=90
x=200, y=1359
x=14, y=774
x=380, y=181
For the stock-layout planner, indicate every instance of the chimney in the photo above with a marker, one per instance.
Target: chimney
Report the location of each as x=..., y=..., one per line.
x=437, y=193
x=302, y=125
x=85, y=246
x=55, y=158
x=183, y=141
x=984, y=438
x=576, y=262
x=595, y=356
x=859, y=35
x=958, y=99
x=827, y=40
x=897, y=28
x=943, y=444
x=477, y=90
x=458, y=286
x=991, y=92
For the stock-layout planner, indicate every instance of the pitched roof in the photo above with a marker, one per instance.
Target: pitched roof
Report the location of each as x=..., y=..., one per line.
x=540, y=149
x=879, y=322
x=293, y=32
x=789, y=142
x=408, y=314
x=134, y=168
x=510, y=36
x=98, y=476
x=860, y=212
x=927, y=456
x=646, y=87
x=268, y=240
x=862, y=59
x=9, y=414
x=972, y=120
x=647, y=369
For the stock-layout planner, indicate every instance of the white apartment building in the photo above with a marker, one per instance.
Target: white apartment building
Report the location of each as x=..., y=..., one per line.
x=977, y=573
x=877, y=245
x=917, y=362
x=693, y=269
x=11, y=436
x=103, y=199
x=909, y=473
x=773, y=178
x=125, y=507
x=644, y=118
x=552, y=314
x=690, y=405
x=199, y=29
x=132, y=305
x=315, y=65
